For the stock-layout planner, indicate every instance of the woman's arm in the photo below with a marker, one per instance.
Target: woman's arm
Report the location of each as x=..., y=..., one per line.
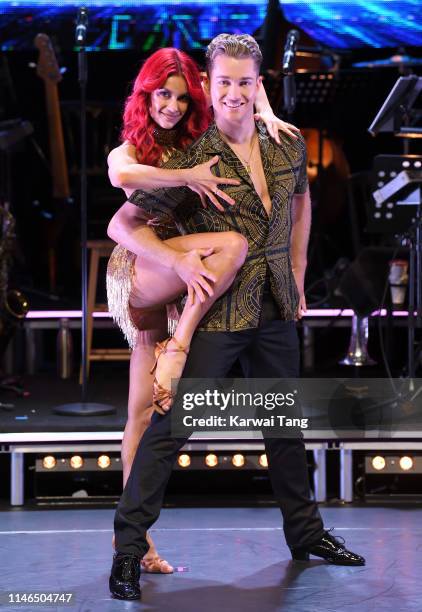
x=125, y=172
x=264, y=112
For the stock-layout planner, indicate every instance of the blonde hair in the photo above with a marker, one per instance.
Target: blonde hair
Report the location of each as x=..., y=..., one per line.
x=240, y=46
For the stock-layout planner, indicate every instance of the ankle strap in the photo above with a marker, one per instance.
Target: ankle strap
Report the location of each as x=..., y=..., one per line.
x=179, y=347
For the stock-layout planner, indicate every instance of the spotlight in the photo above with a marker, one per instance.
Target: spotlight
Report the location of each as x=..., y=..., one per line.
x=263, y=461
x=211, y=460
x=49, y=462
x=406, y=463
x=184, y=461
x=238, y=460
x=378, y=463
x=76, y=462
x=103, y=462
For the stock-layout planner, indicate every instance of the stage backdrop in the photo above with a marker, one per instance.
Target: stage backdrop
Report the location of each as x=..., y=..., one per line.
x=149, y=24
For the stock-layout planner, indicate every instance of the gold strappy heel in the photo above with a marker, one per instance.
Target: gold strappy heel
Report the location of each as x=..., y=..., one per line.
x=160, y=393
x=156, y=565
x=151, y=565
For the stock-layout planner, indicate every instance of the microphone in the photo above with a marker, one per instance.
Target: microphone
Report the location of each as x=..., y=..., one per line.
x=290, y=51
x=81, y=25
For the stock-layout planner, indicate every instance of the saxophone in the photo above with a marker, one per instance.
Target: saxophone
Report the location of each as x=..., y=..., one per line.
x=13, y=304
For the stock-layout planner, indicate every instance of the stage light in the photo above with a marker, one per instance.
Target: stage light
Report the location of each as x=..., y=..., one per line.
x=263, y=461
x=211, y=460
x=238, y=460
x=406, y=463
x=184, y=461
x=378, y=463
x=103, y=462
x=76, y=462
x=49, y=462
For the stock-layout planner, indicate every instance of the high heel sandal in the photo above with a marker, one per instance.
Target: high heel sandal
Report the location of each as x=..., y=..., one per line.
x=161, y=394
x=156, y=565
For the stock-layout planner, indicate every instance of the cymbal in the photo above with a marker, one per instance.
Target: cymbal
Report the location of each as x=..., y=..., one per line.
x=394, y=60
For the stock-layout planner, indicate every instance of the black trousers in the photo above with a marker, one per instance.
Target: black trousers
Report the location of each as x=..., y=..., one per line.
x=270, y=351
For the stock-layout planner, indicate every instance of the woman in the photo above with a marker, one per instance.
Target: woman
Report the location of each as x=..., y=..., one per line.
x=166, y=111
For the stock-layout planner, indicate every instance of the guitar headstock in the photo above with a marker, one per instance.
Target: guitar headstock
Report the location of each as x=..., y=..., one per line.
x=47, y=66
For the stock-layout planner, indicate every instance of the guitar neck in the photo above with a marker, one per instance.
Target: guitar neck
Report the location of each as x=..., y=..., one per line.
x=56, y=141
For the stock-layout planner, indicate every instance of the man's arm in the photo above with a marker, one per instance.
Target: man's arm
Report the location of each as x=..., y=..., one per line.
x=299, y=238
x=128, y=228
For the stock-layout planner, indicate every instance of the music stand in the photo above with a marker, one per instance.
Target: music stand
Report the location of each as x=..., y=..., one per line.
x=396, y=193
x=396, y=110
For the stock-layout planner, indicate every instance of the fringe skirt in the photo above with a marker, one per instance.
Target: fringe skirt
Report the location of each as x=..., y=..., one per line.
x=120, y=273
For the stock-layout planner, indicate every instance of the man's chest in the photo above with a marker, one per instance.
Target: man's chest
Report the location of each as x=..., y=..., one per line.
x=262, y=196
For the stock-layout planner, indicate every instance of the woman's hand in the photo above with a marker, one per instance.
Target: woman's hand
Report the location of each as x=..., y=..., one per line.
x=202, y=181
x=274, y=125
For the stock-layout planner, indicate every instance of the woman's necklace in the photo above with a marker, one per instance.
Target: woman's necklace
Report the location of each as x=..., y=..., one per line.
x=165, y=138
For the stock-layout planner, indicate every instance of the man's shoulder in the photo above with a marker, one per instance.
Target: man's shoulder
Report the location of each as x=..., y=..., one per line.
x=204, y=147
x=290, y=149
x=206, y=143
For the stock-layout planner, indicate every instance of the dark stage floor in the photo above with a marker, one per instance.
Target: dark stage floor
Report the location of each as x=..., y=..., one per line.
x=108, y=384
x=235, y=560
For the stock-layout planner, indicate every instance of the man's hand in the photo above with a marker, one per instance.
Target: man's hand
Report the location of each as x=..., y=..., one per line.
x=274, y=125
x=202, y=181
x=192, y=271
x=299, y=275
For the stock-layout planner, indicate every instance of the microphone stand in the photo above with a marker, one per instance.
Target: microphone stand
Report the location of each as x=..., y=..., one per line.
x=83, y=408
x=289, y=93
x=289, y=84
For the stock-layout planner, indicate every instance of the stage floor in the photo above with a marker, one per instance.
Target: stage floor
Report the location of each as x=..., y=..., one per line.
x=234, y=560
x=32, y=414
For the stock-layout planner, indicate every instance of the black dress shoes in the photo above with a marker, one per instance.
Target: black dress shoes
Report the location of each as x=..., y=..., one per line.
x=124, y=577
x=329, y=548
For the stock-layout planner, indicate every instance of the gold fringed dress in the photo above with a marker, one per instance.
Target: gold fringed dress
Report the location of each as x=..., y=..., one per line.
x=119, y=280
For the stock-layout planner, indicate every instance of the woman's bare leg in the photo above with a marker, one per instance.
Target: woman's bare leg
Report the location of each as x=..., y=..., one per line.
x=229, y=252
x=140, y=391
x=140, y=408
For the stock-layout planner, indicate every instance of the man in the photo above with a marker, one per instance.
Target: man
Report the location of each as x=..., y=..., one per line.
x=253, y=321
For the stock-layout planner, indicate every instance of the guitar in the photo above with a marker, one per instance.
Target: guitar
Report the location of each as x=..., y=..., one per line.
x=48, y=70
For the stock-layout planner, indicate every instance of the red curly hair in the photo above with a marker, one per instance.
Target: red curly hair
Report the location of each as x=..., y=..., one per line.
x=138, y=126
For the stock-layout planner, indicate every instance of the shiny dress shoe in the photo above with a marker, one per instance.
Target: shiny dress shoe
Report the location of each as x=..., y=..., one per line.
x=329, y=548
x=124, y=577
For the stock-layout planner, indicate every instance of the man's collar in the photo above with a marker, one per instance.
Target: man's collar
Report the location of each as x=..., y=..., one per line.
x=215, y=145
